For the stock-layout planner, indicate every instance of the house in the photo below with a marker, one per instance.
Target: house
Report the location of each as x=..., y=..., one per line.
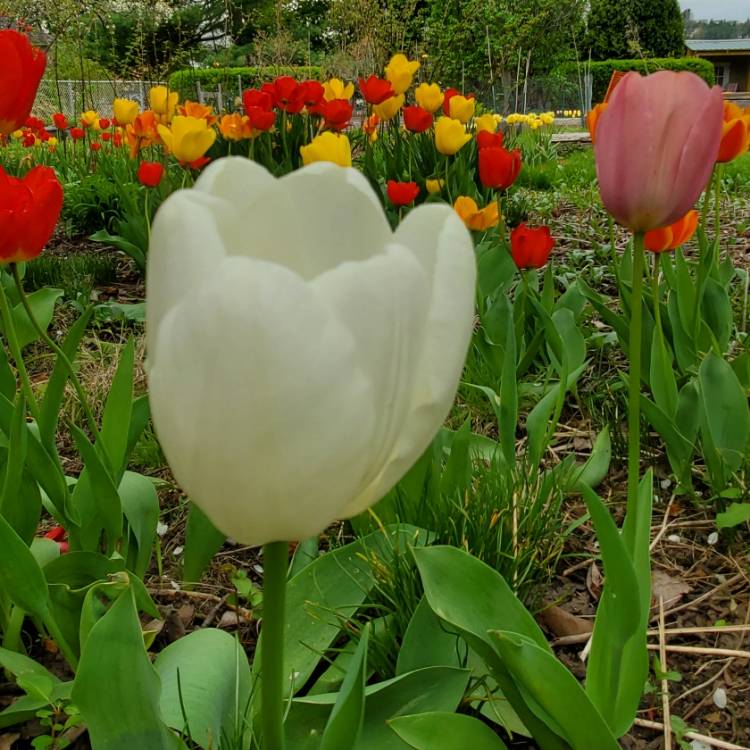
x=731, y=60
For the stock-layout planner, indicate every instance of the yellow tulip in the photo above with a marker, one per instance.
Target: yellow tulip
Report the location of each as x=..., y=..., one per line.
x=450, y=136
x=335, y=88
x=429, y=96
x=389, y=108
x=90, y=119
x=188, y=138
x=125, y=110
x=487, y=122
x=333, y=147
x=52, y=141
x=475, y=218
x=163, y=101
x=400, y=71
x=547, y=118
x=434, y=186
x=462, y=108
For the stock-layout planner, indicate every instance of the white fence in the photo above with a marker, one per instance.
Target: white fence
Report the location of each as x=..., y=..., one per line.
x=73, y=97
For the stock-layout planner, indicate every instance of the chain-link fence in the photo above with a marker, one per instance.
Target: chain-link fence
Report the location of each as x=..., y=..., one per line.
x=73, y=97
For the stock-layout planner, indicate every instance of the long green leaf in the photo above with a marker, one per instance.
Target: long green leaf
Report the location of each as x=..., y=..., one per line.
x=554, y=688
x=428, y=731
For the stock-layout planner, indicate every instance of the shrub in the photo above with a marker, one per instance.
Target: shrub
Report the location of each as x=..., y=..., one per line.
x=232, y=80
x=617, y=28
x=602, y=71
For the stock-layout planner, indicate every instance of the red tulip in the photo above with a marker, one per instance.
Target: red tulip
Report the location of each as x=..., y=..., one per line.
x=402, y=193
x=260, y=119
x=311, y=93
x=376, y=90
x=417, y=120
x=150, y=173
x=29, y=139
x=117, y=139
x=498, y=167
x=29, y=209
x=34, y=123
x=656, y=145
x=257, y=99
x=485, y=139
x=530, y=248
x=106, y=137
x=77, y=134
x=59, y=535
x=20, y=72
x=60, y=121
x=96, y=146
x=104, y=123
x=287, y=94
x=337, y=113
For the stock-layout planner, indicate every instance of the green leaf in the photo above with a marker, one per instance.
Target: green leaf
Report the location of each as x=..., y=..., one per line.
x=21, y=578
x=595, y=468
x=140, y=505
x=507, y=418
x=135, y=252
x=726, y=410
x=307, y=551
x=735, y=515
x=555, y=689
x=618, y=618
x=202, y=541
x=116, y=687
x=345, y=722
x=42, y=303
x=473, y=599
x=54, y=392
x=717, y=312
x=662, y=379
x=207, y=674
x=431, y=689
x=428, y=643
x=456, y=476
x=573, y=343
x=117, y=412
x=446, y=731
x=95, y=497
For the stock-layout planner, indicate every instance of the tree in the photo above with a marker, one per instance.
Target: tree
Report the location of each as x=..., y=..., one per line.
x=634, y=28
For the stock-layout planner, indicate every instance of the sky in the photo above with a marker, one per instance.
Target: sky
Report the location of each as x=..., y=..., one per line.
x=733, y=10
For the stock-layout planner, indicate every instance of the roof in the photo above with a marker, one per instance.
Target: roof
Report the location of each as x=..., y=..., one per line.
x=718, y=45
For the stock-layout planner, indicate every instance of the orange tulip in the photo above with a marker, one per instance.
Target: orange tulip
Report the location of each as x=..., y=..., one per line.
x=592, y=119
x=141, y=132
x=201, y=111
x=671, y=237
x=475, y=218
x=735, y=136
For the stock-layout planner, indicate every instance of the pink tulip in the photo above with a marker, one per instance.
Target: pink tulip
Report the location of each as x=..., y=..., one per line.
x=656, y=145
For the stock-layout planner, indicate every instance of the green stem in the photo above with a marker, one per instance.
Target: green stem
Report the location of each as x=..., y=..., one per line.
x=15, y=350
x=148, y=216
x=447, y=183
x=12, y=635
x=275, y=565
x=62, y=357
x=634, y=383
x=706, y=207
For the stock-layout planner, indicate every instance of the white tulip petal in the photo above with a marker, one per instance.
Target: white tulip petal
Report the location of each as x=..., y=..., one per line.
x=444, y=247
x=384, y=302
x=297, y=221
x=185, y=246
x=262, y=409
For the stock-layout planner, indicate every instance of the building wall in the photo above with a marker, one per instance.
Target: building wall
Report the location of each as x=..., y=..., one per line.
x=739, y=69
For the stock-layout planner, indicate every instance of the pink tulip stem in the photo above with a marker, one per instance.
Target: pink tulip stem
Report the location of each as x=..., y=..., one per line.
x=634, y=383
x=718, y=173
x=275, y=565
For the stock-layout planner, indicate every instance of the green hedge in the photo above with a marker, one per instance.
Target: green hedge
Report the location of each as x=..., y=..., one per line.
x=602, y=71
x=186, y=81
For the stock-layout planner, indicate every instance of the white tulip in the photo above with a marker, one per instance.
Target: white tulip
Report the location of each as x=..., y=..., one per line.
x=301, y=355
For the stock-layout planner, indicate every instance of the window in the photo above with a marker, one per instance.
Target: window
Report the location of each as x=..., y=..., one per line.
x=722, y=74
